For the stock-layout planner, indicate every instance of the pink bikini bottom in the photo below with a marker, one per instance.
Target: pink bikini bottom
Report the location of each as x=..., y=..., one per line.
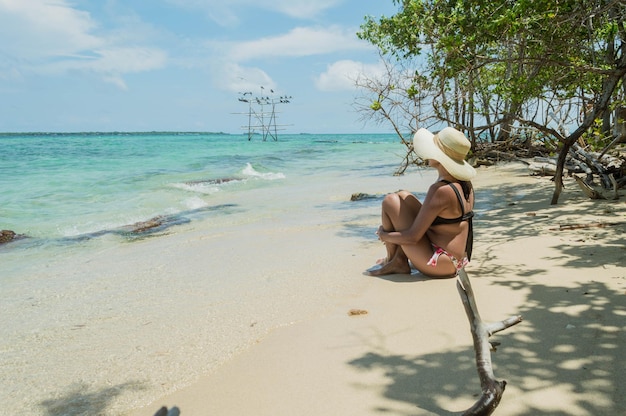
x=459, y=264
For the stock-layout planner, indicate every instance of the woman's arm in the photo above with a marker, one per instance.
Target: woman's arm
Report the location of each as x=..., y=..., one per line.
x=435, y=202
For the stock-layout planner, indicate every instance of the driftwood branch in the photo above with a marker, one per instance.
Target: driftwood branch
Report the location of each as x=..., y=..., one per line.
x=590, y=225
x=593, y=163
x=615, y=186
x=620, y=138
x=605, y=167
x=492, y=389
x=587, y=190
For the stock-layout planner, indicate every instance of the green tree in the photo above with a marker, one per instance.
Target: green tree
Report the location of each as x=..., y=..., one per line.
x=494, y=66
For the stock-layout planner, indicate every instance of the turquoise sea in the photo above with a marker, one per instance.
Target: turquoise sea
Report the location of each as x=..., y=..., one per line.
x=61, y=189
x=146, y=260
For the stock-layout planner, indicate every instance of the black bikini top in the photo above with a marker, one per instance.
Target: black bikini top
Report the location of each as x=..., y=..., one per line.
x=465, y=216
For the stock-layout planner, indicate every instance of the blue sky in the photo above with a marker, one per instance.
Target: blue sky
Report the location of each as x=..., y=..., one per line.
x=180, y=65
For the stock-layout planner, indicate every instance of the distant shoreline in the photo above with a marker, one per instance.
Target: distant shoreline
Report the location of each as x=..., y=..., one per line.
x=164, y=133
x=113, y=133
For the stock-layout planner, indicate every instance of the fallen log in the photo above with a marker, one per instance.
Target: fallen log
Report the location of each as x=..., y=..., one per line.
x=542, y=168
x=588, y=190
x=545, y=166
x=587, y=158
x=590, y=225
x=492, y=389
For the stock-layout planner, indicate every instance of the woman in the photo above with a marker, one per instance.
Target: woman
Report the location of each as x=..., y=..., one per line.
x=435, y=236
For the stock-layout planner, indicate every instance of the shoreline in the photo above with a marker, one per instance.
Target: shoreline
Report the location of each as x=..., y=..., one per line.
x=411, y=353
x=110, y=325
x=249, y=313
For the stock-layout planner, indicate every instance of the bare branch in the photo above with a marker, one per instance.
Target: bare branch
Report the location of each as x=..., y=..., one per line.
x=492, y=389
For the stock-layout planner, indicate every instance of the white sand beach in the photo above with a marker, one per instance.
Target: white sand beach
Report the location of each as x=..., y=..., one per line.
x=412, y=352
x=256, y=320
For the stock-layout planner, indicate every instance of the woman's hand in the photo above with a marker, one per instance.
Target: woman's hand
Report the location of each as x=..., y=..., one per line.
x=381, y=233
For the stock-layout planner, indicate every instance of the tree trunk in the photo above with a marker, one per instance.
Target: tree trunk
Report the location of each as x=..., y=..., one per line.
x=558, y=176
x=599, y=108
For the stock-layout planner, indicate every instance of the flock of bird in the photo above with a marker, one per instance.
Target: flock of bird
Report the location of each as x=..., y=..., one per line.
x=248, y=98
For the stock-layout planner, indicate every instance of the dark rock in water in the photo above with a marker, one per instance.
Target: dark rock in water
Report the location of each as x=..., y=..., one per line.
x=6, y=236
x=361, y=196
x=217, y=181
x=158, y=223
x=143, y=226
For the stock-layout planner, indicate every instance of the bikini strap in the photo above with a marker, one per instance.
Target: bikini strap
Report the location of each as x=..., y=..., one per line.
x=469, y=243
x=458, y=195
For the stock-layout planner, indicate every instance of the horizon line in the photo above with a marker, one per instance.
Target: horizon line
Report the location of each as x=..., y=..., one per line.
x=165, y=132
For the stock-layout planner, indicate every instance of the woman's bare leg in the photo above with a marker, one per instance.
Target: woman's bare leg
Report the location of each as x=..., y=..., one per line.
x=420, y=254
x=398, y=213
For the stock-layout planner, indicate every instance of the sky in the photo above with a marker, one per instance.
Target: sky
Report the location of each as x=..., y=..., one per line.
x=182, y=65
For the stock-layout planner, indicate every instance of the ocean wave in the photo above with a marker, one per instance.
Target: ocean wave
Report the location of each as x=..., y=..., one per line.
x=252, y=173
x=195, y=203
x=211, y=186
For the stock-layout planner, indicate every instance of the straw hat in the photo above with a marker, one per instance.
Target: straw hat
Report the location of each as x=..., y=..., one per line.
x=448, y=147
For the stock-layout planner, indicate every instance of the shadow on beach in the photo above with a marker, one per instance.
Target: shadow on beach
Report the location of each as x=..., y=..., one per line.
x=80, y=399
x=521, y=212
x=550, y=352
x=571, y=341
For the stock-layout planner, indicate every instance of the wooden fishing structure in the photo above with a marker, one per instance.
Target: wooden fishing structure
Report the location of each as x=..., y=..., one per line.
x=262, y=114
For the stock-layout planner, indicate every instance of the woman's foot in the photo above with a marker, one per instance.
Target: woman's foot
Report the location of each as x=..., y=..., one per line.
x=392, y=267
x=379, y=263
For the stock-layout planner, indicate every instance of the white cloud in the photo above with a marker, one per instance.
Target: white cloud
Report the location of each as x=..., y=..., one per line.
x=342, y=75
x=40, y=28
x=111, y=64
x=225, y=12
x=129, y=60
x=302, y=9
x=236, y=78
x=301, y=41
x=50, y=36
x=219, y=11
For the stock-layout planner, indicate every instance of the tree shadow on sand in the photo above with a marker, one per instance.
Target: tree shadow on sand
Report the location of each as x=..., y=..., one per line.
x=572, y=340
x=81, y=400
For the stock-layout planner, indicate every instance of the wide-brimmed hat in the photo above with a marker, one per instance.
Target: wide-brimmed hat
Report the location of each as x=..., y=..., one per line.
x=448, y=147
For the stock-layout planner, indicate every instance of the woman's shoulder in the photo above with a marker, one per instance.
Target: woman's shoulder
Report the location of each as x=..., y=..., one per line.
x=449, y=188
x=441, y=193
x=442, y=188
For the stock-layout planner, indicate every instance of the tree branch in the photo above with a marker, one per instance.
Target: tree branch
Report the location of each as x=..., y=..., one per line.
x=492, y=389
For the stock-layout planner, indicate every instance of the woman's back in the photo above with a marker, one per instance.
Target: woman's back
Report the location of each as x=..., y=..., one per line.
x=450, y=230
